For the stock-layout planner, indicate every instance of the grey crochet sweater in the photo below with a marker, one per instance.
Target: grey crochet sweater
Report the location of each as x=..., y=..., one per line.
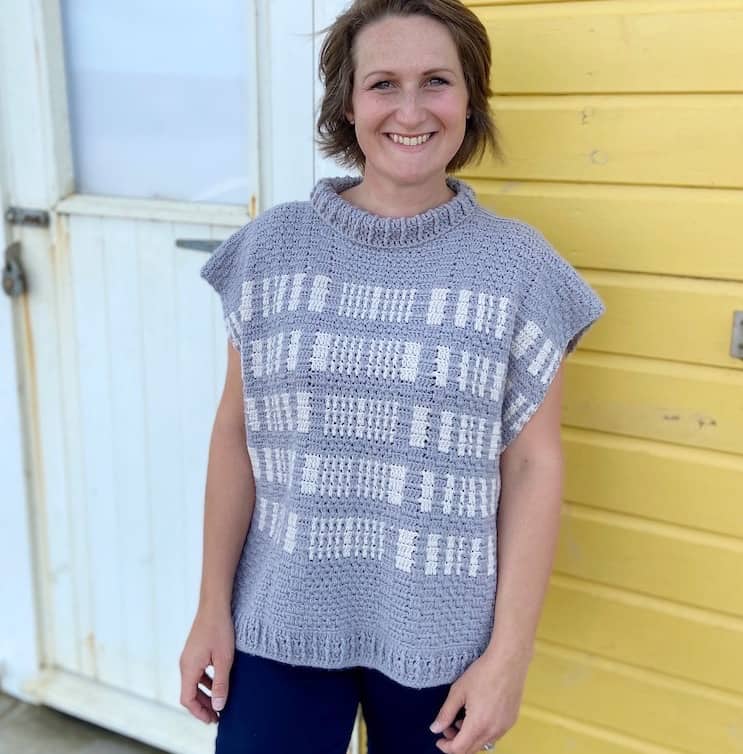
x=386, y=364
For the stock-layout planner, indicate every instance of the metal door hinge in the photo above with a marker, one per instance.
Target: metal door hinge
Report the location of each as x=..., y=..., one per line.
x=736, y=343
x=14, y=279
x=38, y=218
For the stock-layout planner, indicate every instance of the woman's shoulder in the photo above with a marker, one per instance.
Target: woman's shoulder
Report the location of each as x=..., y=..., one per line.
x=519, y=239
x=281, y=217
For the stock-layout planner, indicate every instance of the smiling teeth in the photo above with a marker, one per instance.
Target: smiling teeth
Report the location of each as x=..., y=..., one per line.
x=409, y=140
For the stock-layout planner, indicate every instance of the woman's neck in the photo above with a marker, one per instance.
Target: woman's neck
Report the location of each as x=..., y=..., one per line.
x=397, y=201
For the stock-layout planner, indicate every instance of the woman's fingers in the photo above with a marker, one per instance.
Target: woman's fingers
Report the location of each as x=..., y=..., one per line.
x=197, y=703
x=210, y=716
x=450, y=732
x=220, y=684
x=192, y=697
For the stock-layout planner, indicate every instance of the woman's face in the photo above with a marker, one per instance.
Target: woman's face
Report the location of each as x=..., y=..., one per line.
x=408, y=83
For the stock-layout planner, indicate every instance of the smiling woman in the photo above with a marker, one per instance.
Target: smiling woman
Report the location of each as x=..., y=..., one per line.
x=409, y=124
x=343, y=72
x=421, y=373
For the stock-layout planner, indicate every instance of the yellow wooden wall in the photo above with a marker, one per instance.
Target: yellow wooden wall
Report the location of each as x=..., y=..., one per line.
x=622, y=124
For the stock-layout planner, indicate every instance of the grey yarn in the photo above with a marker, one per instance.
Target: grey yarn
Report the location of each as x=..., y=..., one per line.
x=386, y=364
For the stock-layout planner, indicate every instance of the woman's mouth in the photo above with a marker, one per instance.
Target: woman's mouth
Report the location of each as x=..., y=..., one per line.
x=410, y=141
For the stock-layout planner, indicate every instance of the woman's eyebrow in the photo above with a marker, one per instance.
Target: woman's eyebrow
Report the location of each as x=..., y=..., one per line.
x=424, y=73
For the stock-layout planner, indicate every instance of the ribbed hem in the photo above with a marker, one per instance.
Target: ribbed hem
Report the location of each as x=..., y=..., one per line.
x=362, y=648
x=375, y=230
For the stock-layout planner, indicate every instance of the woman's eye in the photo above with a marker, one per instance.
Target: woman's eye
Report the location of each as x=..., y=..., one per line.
x=386, y=84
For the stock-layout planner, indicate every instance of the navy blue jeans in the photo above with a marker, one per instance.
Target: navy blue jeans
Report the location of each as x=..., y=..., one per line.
x=276, y=707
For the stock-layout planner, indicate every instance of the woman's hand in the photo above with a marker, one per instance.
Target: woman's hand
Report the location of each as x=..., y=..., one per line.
x=490, y=690
x=211, y=641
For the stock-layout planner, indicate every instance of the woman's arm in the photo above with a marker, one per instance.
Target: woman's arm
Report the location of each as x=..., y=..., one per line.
x=528, y=527
x=228, y=510
x=230, y=492
x=492, y=687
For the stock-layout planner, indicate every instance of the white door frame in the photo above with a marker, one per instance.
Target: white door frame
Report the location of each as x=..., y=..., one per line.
x=35, y=170
x=20, y=659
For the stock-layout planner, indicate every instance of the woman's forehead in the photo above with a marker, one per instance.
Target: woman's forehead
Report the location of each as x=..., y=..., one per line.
x=405, y=43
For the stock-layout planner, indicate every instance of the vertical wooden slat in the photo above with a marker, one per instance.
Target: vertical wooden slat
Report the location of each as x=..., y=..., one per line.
x=128, y=422
x=164, y=471
x=104, y=637
x=65, y=551
x=196, y=400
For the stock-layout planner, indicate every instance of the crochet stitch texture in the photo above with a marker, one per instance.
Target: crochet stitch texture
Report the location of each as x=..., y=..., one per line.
x=386, y=365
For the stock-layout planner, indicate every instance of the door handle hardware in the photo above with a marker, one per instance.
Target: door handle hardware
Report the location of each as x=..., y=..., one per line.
x=197, y=244
x=14, y=278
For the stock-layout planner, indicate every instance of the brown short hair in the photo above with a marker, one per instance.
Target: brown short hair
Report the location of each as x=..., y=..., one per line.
x=337, y=137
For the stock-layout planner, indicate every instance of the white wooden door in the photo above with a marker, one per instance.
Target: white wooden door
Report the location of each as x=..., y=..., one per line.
x=126, y=343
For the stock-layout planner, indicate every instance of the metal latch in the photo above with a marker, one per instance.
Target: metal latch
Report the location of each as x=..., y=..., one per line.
x=39, y=218
x=14, y=279
x=736, y=343
x=197, y=244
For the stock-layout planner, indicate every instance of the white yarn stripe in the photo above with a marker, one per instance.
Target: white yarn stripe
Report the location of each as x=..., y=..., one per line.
x=255, y=462
x=463, y=305
x=503, y=305
x=419, y=426
x=251, y=413
x=464, y=359
x=441, y=370
x=280, y=283
x=296, y=291
x=256, y=357
x=293, y=350
x=483, y=300
x=436, y=306
x=495, y=441
x=405, y=555
x=448, y=493
x=432, y=554
x=525, y=339
x=514, y=407
x=474, y=556
x=538, y=362
x=446, y=429
x=246, y=301
x=551, y=367
x=499, y=375
x=290, y=538
x=427, y=486
x=319, y=293
x=303, y=412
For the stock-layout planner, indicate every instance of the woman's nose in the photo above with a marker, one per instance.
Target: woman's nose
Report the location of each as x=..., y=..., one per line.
x=410, y=110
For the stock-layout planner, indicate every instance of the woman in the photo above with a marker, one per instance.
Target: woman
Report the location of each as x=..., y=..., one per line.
x=393, y=382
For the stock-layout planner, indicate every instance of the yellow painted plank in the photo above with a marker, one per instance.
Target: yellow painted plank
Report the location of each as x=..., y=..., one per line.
x=646, y=705
x=688, y=405
x=669, y=139
x=538, y=732
x=669, y=562
x=621, y=46
x=699, y=489
x=678, y=319
x=645, y=633
x=476, y=3
x=670, y=231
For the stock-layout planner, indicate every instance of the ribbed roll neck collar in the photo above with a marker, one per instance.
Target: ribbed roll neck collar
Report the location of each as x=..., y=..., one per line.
x=376, y=230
